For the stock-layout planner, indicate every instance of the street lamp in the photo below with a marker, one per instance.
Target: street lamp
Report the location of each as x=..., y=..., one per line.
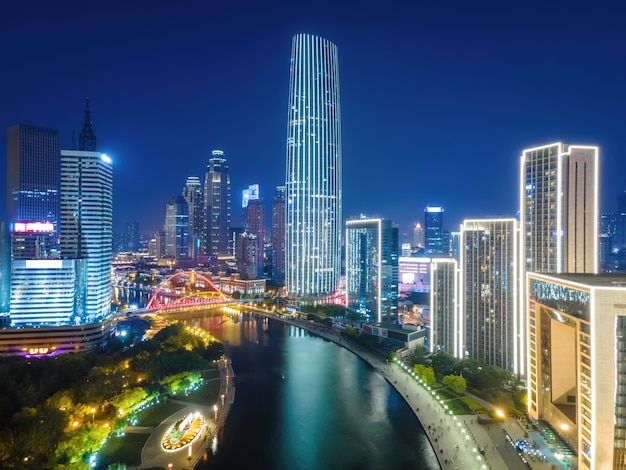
x=215, y=409
x=93, y=414
x=222, y=400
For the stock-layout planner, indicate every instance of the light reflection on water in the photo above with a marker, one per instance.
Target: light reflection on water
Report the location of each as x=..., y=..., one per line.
x=306, y=403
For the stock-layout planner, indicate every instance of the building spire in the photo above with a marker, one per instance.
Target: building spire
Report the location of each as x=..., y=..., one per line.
x=87, y=139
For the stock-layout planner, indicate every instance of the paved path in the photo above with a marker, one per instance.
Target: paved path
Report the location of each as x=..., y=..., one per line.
x=153, y=454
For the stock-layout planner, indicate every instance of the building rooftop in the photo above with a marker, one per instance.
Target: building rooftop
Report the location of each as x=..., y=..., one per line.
x=593, y=280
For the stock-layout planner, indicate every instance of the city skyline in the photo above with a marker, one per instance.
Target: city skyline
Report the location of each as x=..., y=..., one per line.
x=449, y=94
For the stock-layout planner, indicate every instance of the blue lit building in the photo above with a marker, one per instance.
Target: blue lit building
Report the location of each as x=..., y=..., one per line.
x=433, y=227
x=372, y=269
x=313, y=178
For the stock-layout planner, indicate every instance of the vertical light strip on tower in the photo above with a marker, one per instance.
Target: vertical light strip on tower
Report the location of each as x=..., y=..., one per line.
x=313, y=176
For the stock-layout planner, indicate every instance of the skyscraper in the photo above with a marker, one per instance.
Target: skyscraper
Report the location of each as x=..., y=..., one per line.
x=278, y=234
x=372, y=269
x=32, y=175
x=177, y=228
x=216, y=206
x=446, y=321
x=192, y=192
x=87, y=230
x=255, y=225
x=433, y=227
x=488, y=291
x=558, y=217
x=313, y=177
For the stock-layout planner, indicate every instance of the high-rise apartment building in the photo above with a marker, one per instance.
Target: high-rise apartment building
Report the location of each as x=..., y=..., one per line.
x=433, y=228
x=217, y=206
x=278, y=234
x=577, y=357
x=87, y=228
x=313, y=177
x=193, y=194
x=558, y=217
x=488, y=291
x=372, y=269
x=446, y=322
x=176, y=229
x=255, y=225
x=32, y=175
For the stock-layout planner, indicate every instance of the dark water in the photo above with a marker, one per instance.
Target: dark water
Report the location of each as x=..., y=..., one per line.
x=304, y=403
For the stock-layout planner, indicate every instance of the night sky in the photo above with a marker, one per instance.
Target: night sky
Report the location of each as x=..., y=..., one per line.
x=438, y=98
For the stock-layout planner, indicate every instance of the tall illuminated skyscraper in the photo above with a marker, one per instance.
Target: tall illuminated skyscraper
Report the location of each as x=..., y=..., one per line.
x=433, y=227
x=217, y=206
x=192, y=192
x=558, y=216
x=313, y=178
x=278, y=234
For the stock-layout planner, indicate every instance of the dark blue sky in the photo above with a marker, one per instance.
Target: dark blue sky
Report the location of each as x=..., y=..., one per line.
x=438, y=98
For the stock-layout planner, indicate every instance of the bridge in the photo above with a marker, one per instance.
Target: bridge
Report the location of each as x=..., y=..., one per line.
x=186, y=289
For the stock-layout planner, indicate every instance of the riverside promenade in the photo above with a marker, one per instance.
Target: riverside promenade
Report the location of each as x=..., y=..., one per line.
x=154, y=455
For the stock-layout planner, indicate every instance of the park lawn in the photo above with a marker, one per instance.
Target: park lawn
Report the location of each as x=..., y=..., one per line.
x=457, y=406
x=155, y=415
x=473, y=404
x=207, y=394
x=123, y=449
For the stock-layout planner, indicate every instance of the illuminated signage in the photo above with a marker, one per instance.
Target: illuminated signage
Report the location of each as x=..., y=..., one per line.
x=34, y=227
x=44, y=264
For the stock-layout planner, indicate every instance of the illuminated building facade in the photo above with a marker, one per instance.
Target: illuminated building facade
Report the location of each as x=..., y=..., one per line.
x=255, y=226
x=445, y=325
x=433, y=228
x=577, y=352
x=87, y=230
x=372, y=269
x=249, y=194
x=217, y=206
x=414, y=274
x=558, y=216
x=192, y=192
x=313, y=178
x=488, y=291
x=419, y=236
x=278, y=234
x=32, y=175
x=177, y=240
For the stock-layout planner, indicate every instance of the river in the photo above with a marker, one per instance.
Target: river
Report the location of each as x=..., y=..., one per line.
x=304, y=403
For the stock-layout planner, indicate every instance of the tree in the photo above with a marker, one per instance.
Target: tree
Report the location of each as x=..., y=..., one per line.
x=443, y=363
x=457, y=384
x=428, y=376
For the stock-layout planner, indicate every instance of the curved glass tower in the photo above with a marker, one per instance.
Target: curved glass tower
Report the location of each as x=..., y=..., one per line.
x=313, y=180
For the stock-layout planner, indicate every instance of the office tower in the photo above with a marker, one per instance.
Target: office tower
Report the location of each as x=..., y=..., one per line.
x=192, y=192
x=372, y=269
x=255, y=225
x=217, y=206
x=159, y=239
x=248, y=194
x=278, y=234
x=577, y=350
x=247, y=248
x=433, y=228
x=32, y=175
x=445, y=321
x=488, y=291
x=177, y=228
x=232, y=240
x=558, y=216
x=313, y=177
x=419, y=236
x=86, y=229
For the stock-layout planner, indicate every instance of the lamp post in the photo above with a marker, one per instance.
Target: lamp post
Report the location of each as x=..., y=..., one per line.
x=223, y=400
x=215, y=410
x=93, y=414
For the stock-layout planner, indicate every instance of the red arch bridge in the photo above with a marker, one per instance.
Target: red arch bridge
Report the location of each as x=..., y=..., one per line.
x=186, y=289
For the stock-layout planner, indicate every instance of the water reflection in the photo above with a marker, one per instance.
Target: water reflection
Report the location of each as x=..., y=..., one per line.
x=303, y=402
